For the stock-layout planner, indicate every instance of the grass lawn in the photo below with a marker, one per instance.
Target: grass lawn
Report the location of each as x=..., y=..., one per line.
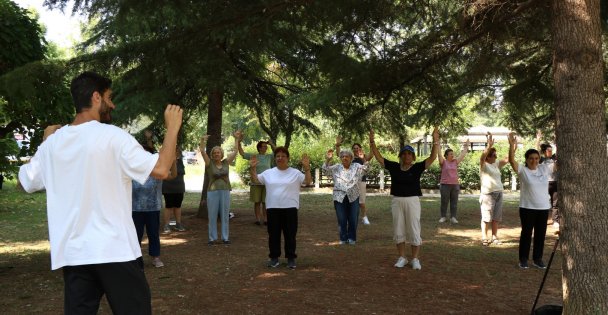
x=458, y=275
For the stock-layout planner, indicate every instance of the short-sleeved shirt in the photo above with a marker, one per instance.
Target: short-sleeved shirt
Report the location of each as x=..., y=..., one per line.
x=449, y=172
x=282, y=187
x=264, y=161
x=177, y=184
x=87, y=170
x=346, y=181
x=147, y=197
x=218, y=177
x=489, y=175
x=550, y=162
x=534, y=187
x=405, y=183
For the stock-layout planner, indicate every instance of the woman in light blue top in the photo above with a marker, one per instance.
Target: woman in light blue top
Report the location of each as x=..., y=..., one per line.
x=257, y=192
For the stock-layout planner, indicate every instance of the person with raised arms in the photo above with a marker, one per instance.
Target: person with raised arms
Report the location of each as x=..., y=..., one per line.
x=490, y=197
x=283, y=201
x=217, y=170
x=406, y=192
x=86, y=168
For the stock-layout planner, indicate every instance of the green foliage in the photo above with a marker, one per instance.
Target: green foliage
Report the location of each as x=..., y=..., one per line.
x=36, y=96
x=8, y=151
x=21, y=37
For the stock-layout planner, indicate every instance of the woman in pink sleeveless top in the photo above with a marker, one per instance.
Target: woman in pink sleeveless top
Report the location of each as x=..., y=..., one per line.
x=450, y=187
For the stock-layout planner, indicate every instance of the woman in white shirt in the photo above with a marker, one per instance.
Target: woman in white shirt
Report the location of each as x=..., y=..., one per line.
x=282, y=203
x=534, y=204
x=346, y=176
x=490, y=198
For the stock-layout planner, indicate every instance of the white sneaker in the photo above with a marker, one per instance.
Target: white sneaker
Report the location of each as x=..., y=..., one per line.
x=157, y=263
x=443, y=219
x=416, y=264
x=453, y=220
x=365, y=220
x=401, y=262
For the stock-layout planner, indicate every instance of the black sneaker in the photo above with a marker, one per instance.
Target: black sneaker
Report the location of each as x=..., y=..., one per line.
x=539, y=264
x=227, y=242
x=210, y=243
x=273, y=263
x=523, y=265
x=291, y=263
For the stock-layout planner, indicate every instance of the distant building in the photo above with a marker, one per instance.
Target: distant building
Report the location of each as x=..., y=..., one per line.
x=476, y=136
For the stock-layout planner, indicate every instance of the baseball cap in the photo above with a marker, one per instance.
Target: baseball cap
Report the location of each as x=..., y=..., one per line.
x=407, y=148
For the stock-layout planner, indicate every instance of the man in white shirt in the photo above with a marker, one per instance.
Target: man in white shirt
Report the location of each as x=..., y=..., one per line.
x=86, y=168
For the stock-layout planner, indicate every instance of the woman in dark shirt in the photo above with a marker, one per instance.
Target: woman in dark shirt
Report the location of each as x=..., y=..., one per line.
x=405, y=204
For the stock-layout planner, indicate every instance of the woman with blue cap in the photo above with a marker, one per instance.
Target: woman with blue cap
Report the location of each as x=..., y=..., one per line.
x=406, y=192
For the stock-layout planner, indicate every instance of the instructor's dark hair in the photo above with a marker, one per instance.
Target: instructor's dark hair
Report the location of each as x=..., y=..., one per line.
x=83, y=87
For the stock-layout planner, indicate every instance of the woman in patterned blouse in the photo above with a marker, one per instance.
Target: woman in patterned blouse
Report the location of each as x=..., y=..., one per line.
x=346, y=178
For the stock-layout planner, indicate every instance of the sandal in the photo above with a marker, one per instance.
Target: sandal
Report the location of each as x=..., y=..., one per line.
x=496, y=242
x=485, y=242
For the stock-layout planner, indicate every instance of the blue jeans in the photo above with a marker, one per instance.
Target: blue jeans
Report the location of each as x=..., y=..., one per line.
x=151, y=221
x=348, y=217
x=218, y=203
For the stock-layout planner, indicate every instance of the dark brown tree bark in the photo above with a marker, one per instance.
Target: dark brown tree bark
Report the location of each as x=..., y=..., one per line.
x=214, y=130
x=581, y=142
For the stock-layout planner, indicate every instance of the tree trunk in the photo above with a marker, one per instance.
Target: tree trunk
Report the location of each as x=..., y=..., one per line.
x=214, y=130
x=581, y=142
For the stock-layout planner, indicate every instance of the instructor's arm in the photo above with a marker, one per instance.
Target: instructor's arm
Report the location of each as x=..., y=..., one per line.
x=166, y=156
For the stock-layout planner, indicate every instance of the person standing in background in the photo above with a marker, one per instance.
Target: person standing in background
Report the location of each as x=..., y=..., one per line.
x=450, y=186
x=173, y=191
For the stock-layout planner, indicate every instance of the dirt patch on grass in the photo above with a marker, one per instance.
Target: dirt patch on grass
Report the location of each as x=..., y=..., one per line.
x=458, y=275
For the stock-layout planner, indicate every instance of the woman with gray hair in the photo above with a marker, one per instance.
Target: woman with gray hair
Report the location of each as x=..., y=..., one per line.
x=346, y=178
x=218, y=193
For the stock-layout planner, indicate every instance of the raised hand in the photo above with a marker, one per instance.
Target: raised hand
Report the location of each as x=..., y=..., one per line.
x=204, y=141
x=173, y=118
x=512, y=139
x=338, y=141
x=306, y=162
x=436, y=135
x=371, y=135
x=238, y=135
x=253, y=161
x=489, y=139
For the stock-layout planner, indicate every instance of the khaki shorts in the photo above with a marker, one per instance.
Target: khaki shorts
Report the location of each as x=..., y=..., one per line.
x=406, y=220
x=491, y=206
x=362, y=189
x=257, y=193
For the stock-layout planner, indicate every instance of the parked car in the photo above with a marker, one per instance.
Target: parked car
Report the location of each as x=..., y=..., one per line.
x=190, y=157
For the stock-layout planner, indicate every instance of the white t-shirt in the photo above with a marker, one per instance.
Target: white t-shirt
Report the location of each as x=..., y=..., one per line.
x=534, y=187
x=490, y=178
x=87, y=171
x=282, y=187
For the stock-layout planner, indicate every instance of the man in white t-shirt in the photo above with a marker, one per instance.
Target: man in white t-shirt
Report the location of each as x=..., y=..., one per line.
x=86, y=168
